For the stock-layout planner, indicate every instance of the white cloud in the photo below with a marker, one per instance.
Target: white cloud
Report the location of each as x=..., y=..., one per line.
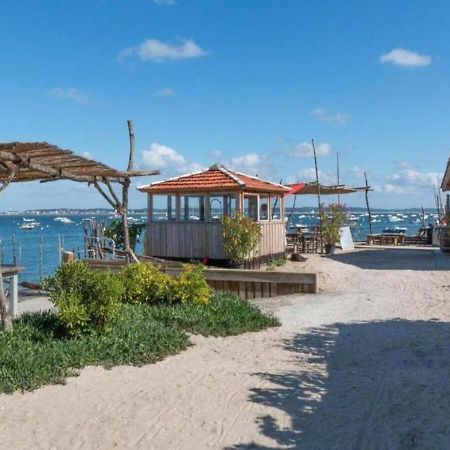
x=410, y=181
x=165, y=2
x=166, y=92
x=71, y=94
x=155, y=50
x=325, y=116
x=251, y=163
x=159, y=156
x=405, y=58
x=305, y=149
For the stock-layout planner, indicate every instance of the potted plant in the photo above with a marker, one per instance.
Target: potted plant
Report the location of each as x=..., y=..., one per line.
x=332, y=218
x=241, y=236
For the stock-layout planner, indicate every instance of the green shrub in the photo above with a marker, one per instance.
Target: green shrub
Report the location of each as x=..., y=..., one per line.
x=147, y=283
x=191, y=285
x=240, y=237
x=87, y=301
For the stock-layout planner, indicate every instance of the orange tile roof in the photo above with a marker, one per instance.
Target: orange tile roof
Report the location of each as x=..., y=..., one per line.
x=216, y=178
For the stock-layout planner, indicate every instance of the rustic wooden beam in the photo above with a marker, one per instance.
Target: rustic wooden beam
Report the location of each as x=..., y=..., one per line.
x=111, y=190
x=131, y=137
x=105, y=196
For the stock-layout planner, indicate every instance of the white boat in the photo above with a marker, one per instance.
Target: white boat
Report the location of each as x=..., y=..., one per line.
x=63, y=220
x=27, y=220
x=28, y=226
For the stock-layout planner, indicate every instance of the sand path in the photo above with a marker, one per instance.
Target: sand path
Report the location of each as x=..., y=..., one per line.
x=363, y=364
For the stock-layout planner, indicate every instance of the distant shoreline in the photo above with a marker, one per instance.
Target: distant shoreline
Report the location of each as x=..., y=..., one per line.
x=108, y=211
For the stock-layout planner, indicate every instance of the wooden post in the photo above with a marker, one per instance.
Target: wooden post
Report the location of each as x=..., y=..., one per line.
x=4, y=310
x=131, y=135
x=338, y=180
x=129, y=254
x=367, y=203
x=318, y=193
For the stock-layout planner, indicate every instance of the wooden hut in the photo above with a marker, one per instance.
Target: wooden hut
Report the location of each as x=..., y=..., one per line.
x=184, y=214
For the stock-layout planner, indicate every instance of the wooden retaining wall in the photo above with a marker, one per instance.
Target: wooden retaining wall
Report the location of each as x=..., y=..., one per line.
x=245, y=283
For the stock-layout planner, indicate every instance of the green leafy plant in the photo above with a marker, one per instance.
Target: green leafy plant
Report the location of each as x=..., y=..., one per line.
x=114, y=231
x=191, y=285
x=240, y=237
x=332, y=218
x=86, y=301
x=147, y=283
x=271, y=265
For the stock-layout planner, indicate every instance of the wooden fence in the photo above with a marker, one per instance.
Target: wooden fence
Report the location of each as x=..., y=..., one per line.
x=245, y=283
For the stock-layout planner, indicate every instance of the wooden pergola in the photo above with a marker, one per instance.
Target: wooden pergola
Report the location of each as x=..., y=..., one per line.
x=40, y=161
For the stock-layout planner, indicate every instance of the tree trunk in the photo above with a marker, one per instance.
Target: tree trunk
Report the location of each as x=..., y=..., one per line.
x=4, y=310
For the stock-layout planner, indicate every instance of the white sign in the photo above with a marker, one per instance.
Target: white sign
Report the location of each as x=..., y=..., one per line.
x=346, y=239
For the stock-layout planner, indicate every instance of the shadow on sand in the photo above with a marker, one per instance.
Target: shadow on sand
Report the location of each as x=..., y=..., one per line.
x=395, y=259
x=377, y=385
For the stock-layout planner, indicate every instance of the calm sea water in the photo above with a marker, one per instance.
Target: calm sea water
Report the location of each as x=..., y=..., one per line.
x=47, y=235
x=49, y=232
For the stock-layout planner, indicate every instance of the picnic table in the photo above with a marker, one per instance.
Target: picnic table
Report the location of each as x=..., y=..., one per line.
x=11, y=273
x=386, y=239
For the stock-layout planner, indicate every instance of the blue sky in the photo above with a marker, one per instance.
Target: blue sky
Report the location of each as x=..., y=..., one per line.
x=246, y=83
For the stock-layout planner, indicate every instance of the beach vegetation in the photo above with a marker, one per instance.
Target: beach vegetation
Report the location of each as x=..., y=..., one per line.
x=147, y=283
x=86, y=301
x=278, y=262
x=115, y=231
x=41, y=350
x=332, y=218
x=241, y=236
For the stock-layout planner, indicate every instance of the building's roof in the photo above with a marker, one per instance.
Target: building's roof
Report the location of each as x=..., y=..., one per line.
x=446, y=180
x=29, y=161
x=215, y=179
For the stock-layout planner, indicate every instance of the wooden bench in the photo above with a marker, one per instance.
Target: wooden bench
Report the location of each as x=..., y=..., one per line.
x=385, y=239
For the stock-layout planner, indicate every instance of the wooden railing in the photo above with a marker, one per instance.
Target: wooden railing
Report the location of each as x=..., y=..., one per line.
x=245, y=283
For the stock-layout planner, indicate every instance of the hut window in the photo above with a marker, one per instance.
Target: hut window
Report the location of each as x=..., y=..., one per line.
x=192, y=207
x=164, y=208
x=221, y=205
x=263, y=207
x=251, y=207
x=275, y=207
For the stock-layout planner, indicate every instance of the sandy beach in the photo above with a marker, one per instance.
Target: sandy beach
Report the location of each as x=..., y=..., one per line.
x=364, y=364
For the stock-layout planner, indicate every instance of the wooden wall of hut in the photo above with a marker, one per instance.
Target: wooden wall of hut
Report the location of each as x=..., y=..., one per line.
x=200, y=240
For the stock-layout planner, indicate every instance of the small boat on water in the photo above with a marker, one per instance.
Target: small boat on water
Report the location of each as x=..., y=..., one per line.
x=63, y=220
x=28, y=225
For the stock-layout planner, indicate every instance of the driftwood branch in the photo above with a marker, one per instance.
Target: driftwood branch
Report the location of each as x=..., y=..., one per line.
x=10, y=178
x=111, y=191
x=105, y=196
x=131, y=136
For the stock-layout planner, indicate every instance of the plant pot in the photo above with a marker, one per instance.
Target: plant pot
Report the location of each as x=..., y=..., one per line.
x=329, y=249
